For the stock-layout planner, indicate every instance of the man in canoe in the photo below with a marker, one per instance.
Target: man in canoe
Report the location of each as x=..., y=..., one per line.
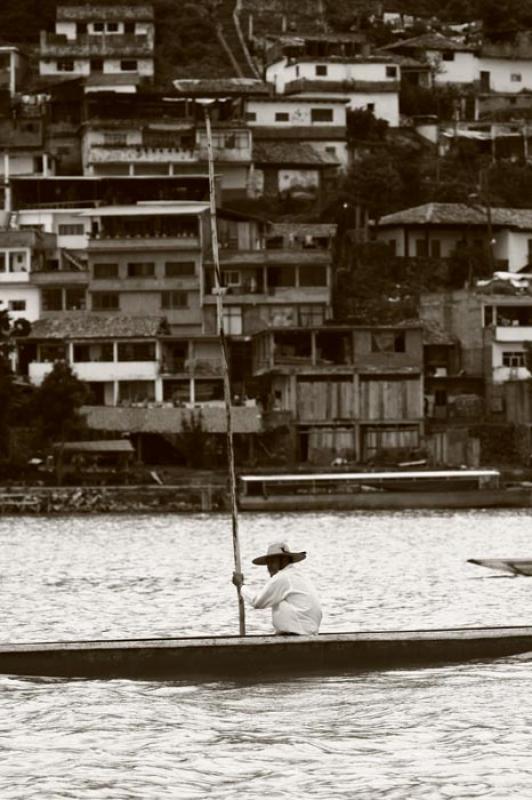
x=294, y=602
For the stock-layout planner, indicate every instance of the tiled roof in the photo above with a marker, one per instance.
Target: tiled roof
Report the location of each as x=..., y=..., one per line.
x=459, y=214
x=429, y=41
x=291, y=153
x=108, y=12
x=98, y=326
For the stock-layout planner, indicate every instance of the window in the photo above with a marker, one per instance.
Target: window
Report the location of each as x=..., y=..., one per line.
x=173, y=300
x=103, y=272
x=331, y=151
x=75, y=299
x=282, y=116
x=96, y=64
x=513, y=359
x=98, y=27
x=129, y=27
x=136, y=392
x=136, y=351
x=447, y=55
x=391, y=72
x=251, y=116
x=65, y=65
x=297, y=72
x=231, y=277
x=516, y=77
x=435, y=248
x=179, y=269
x=112, y=27
x=105, y=301
x=281, y=276
x=70, y=230
x=321, y=70
x=310, y=316
x=422, y=248
x=312, y=275
x=321, y=115
x=489, y=316
x=16, y=305
x=17, y=261
x=99, y=351
x=370, y=107
x=38, y=164
x=52, y=299
x=129, y=65
x=141, y=269
x=232, y=320
x=388, y=342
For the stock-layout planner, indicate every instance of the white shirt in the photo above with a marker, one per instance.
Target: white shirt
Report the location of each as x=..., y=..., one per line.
x=293, y=599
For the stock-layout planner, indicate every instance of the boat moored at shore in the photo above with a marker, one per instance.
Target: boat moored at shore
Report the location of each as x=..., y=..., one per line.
x=429, y=489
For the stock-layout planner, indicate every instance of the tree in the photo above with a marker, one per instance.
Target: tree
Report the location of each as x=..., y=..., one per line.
x=56, y=406
x=373, y=183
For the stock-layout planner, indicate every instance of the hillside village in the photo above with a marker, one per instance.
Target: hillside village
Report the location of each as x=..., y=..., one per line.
x=374, y=210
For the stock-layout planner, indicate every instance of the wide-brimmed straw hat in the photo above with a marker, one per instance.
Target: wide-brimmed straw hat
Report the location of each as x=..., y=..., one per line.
x=276, y=549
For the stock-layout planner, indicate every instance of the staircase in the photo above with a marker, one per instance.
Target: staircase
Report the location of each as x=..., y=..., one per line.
x=228, y=30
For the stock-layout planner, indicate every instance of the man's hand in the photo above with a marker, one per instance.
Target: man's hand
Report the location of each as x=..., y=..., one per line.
x=238, y=579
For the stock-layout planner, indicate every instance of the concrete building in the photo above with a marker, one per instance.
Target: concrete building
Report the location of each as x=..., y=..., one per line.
x=492, y=327
x=276, y=275
x=348, y=392
x=96, y=40
x=146, y=259
x=342, y=71
x=451, y=61
x=22, y=255
x=440, y=230
x=13, y=67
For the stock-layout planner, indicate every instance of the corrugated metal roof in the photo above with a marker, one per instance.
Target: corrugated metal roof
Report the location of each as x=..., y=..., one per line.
x=430, y=41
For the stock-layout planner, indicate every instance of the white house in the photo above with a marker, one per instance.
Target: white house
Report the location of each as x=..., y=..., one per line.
x=438, y=230
x=21, y=254
x=99, y=40
x=366, y=82
x=451, y=60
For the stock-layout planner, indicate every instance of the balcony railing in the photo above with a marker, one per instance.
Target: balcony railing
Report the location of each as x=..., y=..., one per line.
x=141, y=154
x=55, y=45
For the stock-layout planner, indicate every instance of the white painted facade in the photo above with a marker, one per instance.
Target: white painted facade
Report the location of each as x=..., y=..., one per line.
x=501, y=353
x=27, y=163
x=56, y=221
x=81, y=66
x=22, y=301
x=511, y=246
x=15, y=265
x=70, y=30
x=453, y=66
x=298, y=111
x=505, y=74
x=284, y=71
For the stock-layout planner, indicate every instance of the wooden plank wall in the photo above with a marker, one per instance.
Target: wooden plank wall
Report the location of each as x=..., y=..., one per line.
x=325, y=399
x=390, y=398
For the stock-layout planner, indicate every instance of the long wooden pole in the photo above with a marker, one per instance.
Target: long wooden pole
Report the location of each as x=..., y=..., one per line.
x=219, y=291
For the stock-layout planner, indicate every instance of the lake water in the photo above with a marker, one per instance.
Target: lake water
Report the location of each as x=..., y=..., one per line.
x=457, y=732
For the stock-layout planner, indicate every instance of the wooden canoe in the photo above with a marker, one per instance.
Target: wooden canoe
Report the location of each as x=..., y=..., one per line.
x=261, y=657
x=515, y=566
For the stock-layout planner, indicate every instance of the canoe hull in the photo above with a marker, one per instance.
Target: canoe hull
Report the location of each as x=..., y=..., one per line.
x=480, y=498
x=261, y=657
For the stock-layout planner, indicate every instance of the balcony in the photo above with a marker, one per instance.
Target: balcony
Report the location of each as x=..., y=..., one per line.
x=165, y=419
x=100, y=370
x=513, y=333
x=140, y=154
x=58, y=278
x=55, y=45
x=102, y=243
